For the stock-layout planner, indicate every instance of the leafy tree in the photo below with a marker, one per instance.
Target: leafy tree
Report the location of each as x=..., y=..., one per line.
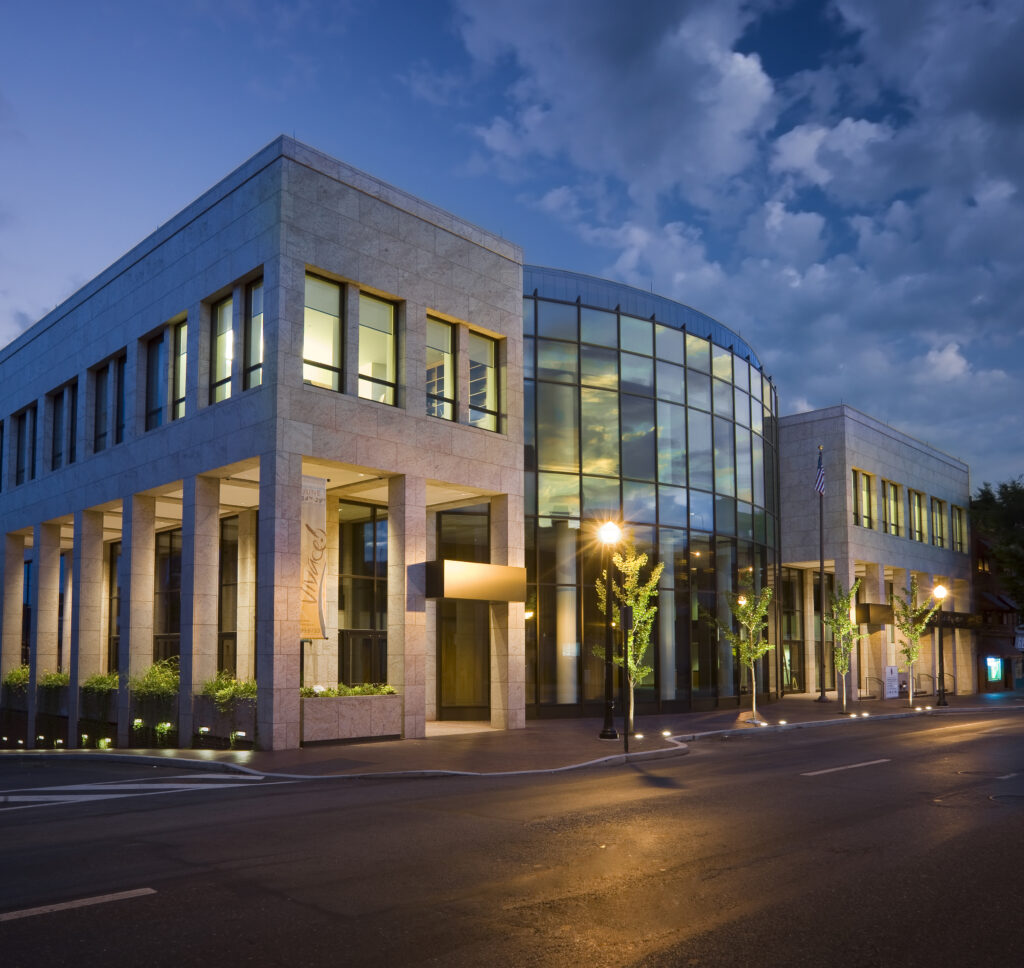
x=911, y=619
x=748, y=644
x=637, y=594
x=998, y=516
x=845, y=632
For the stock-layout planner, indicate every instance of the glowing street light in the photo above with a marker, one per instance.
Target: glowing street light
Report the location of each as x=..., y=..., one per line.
x=609, y=534
x=940, y=593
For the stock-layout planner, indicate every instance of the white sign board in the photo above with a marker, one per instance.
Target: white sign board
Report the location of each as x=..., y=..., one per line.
x=892, y=682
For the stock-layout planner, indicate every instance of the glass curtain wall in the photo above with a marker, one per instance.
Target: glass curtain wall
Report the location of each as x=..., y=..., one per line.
x=638, y=420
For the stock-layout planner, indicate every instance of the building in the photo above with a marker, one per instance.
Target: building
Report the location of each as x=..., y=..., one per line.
x=642, y=408
x=894, y=508
x=301, y=336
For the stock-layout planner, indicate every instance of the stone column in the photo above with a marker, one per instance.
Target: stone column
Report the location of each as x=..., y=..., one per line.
x=200, y=586
x=85, y=653
x=279, y=596
x=13, y=602
x=45, y=595
x=136, y=576
x=245, y=637
x=508, y=625
x=811, y=673
x=875, y=645
x=407, y=549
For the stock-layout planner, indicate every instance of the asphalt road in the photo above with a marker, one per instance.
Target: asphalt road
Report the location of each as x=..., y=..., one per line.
x=895, y=843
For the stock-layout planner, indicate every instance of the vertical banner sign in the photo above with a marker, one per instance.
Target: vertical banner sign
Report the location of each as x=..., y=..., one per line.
x=313, y=618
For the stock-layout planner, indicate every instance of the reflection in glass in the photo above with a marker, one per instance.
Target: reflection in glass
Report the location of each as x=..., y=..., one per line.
x=669, y=344
x=638, y=437
x=557, y=428
x=671, y=443
x=638, y=502
x=637, y=374
x=637, y=335
x=556, y=361
x=699, y=451
x=671, y=382
x=599, y=367
x=556, y=320
x=558, y=495
x=598, y=327
x=600, y=426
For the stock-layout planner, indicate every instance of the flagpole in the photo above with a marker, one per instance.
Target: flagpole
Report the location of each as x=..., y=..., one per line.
x=820, y=487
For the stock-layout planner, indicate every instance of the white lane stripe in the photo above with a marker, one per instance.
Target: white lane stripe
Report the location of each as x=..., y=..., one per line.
x=154, y=786
x=55, y=798
x=83, y=902
x=852, y=766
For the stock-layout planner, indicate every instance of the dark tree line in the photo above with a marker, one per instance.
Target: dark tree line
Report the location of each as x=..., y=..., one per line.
x=997, y=515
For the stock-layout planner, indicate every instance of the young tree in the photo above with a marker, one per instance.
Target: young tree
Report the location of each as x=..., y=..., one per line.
x=911, y=619
x=637, y=594
x=748, y=645
x=845, y=632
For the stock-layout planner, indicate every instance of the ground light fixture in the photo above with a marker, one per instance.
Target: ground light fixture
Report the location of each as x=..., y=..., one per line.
x=608, y=534
x=940, y=593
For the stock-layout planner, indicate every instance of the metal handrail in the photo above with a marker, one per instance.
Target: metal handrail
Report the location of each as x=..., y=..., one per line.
x=923, y=692
x=881, y=685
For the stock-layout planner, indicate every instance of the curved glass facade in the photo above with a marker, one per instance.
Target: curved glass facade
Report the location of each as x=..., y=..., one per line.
x=646, y=411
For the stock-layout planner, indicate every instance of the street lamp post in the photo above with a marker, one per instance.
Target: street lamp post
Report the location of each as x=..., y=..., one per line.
x=608, y=534
x=940, y=693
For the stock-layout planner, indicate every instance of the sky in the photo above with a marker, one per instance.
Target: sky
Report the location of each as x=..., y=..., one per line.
x=839, y=181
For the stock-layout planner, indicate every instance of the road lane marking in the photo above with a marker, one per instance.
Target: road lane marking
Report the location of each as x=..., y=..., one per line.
x=82, y=902
x=852, y=766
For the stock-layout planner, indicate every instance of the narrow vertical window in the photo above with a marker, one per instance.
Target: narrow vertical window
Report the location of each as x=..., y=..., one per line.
x=938, y=523
x=101, y=413
x=483, y=382
x=440, y=370
x=72, y=422
x=120, y=366
x=25, y=446
x=959, y=529
x=252, y=373
x=57, y=430
x=863, y=499
x=156, y=381
x=918, y=524
x=377, y=363
x=180, y=370
x=222, y=351
x=892, y=509
x=1, y=453
x=321, y=341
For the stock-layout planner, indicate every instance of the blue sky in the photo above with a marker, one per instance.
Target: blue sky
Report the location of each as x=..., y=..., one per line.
x=838, y=181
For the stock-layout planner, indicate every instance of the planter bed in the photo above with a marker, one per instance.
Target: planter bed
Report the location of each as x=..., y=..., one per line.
x=334, y=719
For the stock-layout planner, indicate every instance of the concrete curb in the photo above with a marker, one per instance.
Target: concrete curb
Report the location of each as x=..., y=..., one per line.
x=172, y=761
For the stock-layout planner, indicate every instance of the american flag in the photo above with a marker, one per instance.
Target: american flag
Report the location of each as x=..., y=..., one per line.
x=819, y=481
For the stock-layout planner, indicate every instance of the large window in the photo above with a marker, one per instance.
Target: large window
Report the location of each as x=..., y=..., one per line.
x=918, y=521
x=222, y=350
x=120, y=390
x=56, y=429
x=440, y=376
x=362, y=593
x=892, y=508
x=63, y=405
x=321, y=342
x=156, y=381
x=959, y=529
x=252, y=372
x=377, y=348
x=167, y=596
x=25, y=445
x=180, y=370
x=863, y=499
x=938, y=523
x=483, y=382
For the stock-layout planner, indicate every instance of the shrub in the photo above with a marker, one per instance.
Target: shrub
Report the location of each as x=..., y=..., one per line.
x=227, y=691
x=101, y=682
x=17, y=678
x=365, y=689
x=54, y=680
x=160, y=681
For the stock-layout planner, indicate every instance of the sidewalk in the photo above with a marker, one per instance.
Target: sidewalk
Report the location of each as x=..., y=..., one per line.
x=543, y=746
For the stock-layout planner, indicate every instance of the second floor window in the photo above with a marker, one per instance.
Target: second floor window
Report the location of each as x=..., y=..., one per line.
x=483, y=382
x=101, y=409
x=222, y=351
x=180, y=370
x=959, y=529
x=918, y=523
x=321, y=340
x=892, y=509
x=863, y=500
x=252, y=371
x=377, y=347
x=156, y=381
x=57, y=430
x=938, y=523
x=440, y=369
x=25, y=446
